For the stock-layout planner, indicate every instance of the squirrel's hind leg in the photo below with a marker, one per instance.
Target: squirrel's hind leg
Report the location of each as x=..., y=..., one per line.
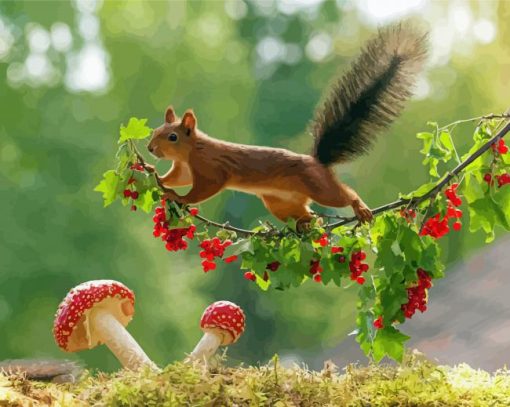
x=339, y=195
x=283, y=209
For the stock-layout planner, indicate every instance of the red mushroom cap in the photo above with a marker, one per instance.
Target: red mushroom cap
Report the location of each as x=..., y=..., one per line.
x=71, y=328
x=221, y=317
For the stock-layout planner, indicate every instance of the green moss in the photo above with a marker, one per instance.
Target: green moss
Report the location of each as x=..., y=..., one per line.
x=416, y=382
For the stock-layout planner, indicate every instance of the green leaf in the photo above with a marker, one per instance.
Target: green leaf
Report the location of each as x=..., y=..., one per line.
x=108, y=186
x=136, y=129
x=147, y=200
x=264, y=285
x=389, y=342
x=289, y=250
x=238, y=247
x=435, y=151
x=365, y=331
x=422, y=190
x=485, y=214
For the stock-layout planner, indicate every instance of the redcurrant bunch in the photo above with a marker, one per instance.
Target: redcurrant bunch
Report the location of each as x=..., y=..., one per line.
x=451, y=194
x=437, y=227
x=137, y=167
x=501, y=147
x=173, y=238
x=417, y=295
x=316, y=270
x=212, y=248
x=250, y=275
x=408, y=214
x=323, y=240
x=357, y=266
x=337, y=249
x=503, y=179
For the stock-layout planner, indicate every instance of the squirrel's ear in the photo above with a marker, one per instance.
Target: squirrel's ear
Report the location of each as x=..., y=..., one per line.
x=170, y=115
x=189, y=121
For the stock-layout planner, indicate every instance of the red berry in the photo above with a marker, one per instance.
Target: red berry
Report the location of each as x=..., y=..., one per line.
x=273, y=266
x=341, y=259
x=457, y=226
x=133, y=208
x=502, y=148
x=131, y=180
x=336, y=249
x=193, y=211
x=323, y=241
x=360, y=280
x=317, y=277
x=250, y=276
x=503, y=179
x=127, y=193
x=487, y=178
x=208, y=265
x=134, y=195
x=378, y=323
x=230, y=259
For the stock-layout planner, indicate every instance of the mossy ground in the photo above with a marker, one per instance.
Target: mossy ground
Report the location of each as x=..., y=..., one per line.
x=416, y=382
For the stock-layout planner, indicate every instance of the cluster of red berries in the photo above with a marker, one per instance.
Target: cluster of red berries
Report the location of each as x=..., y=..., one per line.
x=502, y=179
x=173, y=238
x=316, y=270
x=357, y=266
x=501, y=147
x=451, y=195
x=408, y=214
x=250, y=275
x=417, y=295
x=437, y=227
x=137, y=167
x=213, y=248
x=323, y=240
x=128, y=193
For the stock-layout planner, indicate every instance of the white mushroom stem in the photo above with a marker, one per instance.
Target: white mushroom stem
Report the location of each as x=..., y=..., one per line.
x=206, y=347
x=113, y=334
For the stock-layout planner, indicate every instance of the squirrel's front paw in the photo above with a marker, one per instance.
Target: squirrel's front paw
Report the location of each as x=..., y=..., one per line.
x=362, y=211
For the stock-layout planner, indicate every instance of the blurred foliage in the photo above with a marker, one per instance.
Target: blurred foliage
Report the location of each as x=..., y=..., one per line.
x=56, y=139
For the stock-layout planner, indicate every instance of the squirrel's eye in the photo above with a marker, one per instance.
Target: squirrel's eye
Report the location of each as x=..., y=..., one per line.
x=172, y=137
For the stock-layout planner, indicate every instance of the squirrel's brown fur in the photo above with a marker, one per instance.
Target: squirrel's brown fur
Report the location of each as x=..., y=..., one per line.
x=363, y=102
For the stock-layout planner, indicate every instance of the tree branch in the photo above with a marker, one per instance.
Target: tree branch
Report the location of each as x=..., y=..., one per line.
x=381, y=209
x=434, y=191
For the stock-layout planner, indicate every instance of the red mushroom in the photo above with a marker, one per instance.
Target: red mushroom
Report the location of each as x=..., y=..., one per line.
x=223, y=323
x=96, y=312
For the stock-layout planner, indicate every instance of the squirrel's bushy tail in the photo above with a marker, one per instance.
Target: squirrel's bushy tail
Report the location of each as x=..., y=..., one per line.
x=369, y=96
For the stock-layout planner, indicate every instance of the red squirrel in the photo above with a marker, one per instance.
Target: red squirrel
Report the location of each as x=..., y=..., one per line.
x=363, y=102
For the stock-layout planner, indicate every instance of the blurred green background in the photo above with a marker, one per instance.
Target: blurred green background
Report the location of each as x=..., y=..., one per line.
x=253, y=72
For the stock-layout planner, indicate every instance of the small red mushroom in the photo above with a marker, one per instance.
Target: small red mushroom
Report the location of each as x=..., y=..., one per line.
x=96, y=312
x=223, y=323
